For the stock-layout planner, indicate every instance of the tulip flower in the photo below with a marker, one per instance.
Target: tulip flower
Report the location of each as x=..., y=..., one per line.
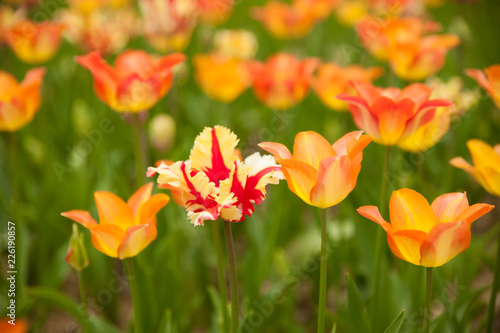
x=489, y=80
x=350, y=12
x=34, y=43
x=391, y=115
x=136, y=82
x=125, y=229
x=19, y=102
x=331, y=80
x=320, y=173
x=486, y=168
x=214, y=182
x=236, y=43
x=423, y=234
x=283, y=80
x=20, y=326
x=215, y=12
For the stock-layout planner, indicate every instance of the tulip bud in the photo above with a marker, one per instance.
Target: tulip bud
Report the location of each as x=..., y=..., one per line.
x=162, y=132
x=77, y=255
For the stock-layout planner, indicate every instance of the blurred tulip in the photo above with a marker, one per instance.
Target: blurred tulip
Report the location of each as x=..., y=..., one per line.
x=453, y=90
x=125, y=229
x=331, y=80
x=319, y=173
x=34, y=43
x=214, y=182
x=215, y=12
x=77, y=254
x=236, y=43
x=21, y=326
x=137, y=81
x=486, y=169
x=19, y=102
x=350, y=12
x=423, y=234
x=392, y=115
x=489, y=80
x=220, y=77
x=283, y=80
x=162, y=132
x=320, y=9
x=168, y=25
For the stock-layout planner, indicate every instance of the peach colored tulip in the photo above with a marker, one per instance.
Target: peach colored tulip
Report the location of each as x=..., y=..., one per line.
x=214, y=182
x=489, y=80
x=391, y=115
x=19, y=102
x=215, y=12
x=34, y=43
x=283, y=80
x=331, y=80
x=124, y=229
x=220, y=77
x=136, y=82
x=423, y=234
x=319, y=173
x=486, y=169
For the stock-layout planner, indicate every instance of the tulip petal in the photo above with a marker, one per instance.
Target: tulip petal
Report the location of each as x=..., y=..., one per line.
x=366, y=91
x=136, y=239
x=444, y=242
x=336, y=179
x=140, y=197
x=166, y=63
x=409, y=210
x=279, y=151
x=105, y=81
x=483, y=155
x=106, y=238
x=480, y=78
x=372, y=213
x=448, y=207
x=340, y=146
x=311, y=148
x=113, y=210
x=81, y=216
x=474, y=212
x=151, y=207
x=405, y=244
x=492, y=180
x=392, y=117
x=417, y=92
x=300, y=177
x=363, y=117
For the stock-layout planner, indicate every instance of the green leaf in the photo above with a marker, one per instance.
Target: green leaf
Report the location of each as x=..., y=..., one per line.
x=395, y=326
x=357, y=321
x=98, y=325
x=55, y=297
x=166, y=325
x=334, y=328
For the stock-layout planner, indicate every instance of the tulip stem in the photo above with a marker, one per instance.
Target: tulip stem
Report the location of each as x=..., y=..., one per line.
x=232, y=276
x=494, y=291
x=379, y=242
x=83, y=301
x=139, y=160
x=220, y=276
x=428, y=296
x=131, y=277
x=322, y=276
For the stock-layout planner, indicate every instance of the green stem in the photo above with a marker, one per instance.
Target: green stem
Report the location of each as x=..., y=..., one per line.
x=132, y=278
x=322, y=279
x=232, y=277
x=379, y=242
x=220, y=275
x=494, y=290
x=83, y=301
x=428, y=296
x=139, y=154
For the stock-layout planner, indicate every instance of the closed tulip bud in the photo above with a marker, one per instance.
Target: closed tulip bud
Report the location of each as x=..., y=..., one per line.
x=77, y=254
x=162, y=132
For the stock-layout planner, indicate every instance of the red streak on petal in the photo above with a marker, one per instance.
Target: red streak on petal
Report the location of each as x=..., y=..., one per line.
x=219, y=171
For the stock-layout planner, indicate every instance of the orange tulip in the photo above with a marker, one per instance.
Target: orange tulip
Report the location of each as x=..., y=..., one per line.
x=220, y=77
x=332, y=80
x=214, y=182
x=20, y=327
x=319, y=173
x=320, y=9
x=125, y=229
x=350, y=12
x=19, y=102
x=391, y=115
x=137, y=81
x=423, y=234
x=283, y=81
x=34, y=43
x=489, y=80
x=486, y=169
x=215, y=12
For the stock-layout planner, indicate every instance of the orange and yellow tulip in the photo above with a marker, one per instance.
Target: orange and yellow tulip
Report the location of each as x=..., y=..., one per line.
x=136, y=82
x=283, y=80
x=215, y=182
x=124, y=229
x=320, y=173
x=392, y=115
x=489, y=80
x=427, y=235
x=215, y=12
x=332, y=79
x=19, y=102
x=34, y=43
x=486, y=169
